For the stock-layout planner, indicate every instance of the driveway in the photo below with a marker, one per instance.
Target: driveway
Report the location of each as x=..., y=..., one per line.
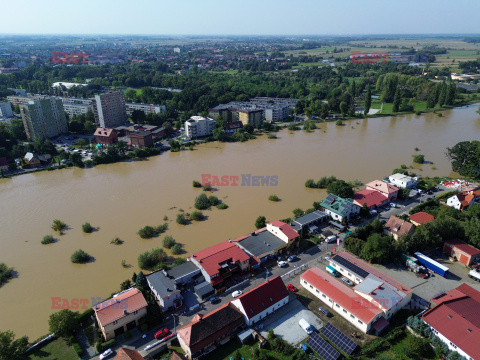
x=284, y=322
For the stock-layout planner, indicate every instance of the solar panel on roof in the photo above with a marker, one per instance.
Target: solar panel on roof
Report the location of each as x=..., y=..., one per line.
x=342, y=341
x=352, y=267
x=322, y=347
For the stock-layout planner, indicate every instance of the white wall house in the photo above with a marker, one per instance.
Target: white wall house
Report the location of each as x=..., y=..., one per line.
x=451, y=346
x=454, y=202
x=402, y=181
x=198, y=126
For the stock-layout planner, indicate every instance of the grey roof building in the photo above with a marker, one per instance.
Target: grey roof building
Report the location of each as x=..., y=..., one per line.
x=204, y=290
x=311, y=221
x=165, y=290
x=185, y=273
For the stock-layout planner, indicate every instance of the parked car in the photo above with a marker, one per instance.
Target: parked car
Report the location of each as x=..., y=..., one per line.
x=331, y=238
x=161, y=333
x=346, y=281
x=292, y=258
x=292, y=288
x=306, y=326
x=373, y=212
x=236, y=293
x=324, y=311
x=215, y=300
x=282, y=264
x=106, y=354
x=393, y=205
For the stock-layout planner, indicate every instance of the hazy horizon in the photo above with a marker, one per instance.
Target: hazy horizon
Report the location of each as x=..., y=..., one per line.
x=245, y=18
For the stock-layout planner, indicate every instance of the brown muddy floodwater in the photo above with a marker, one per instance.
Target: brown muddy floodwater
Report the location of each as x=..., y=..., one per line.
x=121, y=198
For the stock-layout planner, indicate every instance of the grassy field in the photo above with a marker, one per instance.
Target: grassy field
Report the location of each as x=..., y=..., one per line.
x=56, y=350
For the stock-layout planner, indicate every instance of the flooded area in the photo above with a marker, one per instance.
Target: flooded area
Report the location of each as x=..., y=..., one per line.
x=121, y=198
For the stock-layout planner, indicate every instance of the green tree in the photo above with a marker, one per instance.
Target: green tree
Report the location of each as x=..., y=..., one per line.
x=451, y=93
x=127, y=284
x=63, y=323
x=201, y=202
x=344, y=108
x=248, y=128
x=141, y=280
x=80, y=257
x=310, y=183
x=197, y=216
x=11, y=348
x=181, y=219
x=176, y=249
x=354, y=245
x=419, y=158
x=340, y=188
x=260, y=222
x=368, y=101
x=149, y=260
x=378, y=249
x=87, y=228
x=465, y=158
x=397, y=100
x=297, y=212
x=59, y=226
x=168, y=241
x=147, y=232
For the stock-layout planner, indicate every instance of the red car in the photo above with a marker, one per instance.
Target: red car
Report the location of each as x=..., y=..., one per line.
x=161, y=333
x=292, y=288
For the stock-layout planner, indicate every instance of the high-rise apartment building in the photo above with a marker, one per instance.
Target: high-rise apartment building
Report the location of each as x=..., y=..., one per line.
x=44, y=118
x=110, y=108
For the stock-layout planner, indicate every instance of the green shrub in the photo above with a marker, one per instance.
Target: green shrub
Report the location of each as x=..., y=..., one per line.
x=222, y=206
x=107, y=344
x=87, y=228
x=272, y=136
x=310, y=183
x=197, y=216
x=181, y=219
x=197, y=184
x=273, y=198
x=202, y=202
x=85, y=317
x=80, y=257
x=146, y=232
x=176, y=249
x=116, y=241
x=207, y=187
x=419, y=159
x=78, y=349
x=59, y=226
x=150, y=259
x=48, y=239
x=168, y=242
x=89, y=333
x=213, y=200
x=161, y=228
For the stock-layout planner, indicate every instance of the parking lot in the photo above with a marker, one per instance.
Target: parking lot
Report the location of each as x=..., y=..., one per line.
x=284, y=322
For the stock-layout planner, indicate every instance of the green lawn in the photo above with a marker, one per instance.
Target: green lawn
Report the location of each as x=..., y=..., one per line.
x=56, y=350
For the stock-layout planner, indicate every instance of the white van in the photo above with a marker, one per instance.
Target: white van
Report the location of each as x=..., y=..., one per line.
x=331, y=238
x=305, y=326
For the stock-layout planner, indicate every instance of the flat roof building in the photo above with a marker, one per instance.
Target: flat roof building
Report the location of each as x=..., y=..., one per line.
x=110, y=108
x=44, y=118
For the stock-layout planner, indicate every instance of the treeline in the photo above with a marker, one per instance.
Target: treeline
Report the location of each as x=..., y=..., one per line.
x=465, y=158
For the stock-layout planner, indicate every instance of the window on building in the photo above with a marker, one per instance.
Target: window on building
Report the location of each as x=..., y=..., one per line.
x=337, y=305
x=316, y=290
x=330, y=300
x=360, y=321
x=353, y=317
x=115, y=322
x=345, y=311
x=311, y=287
x=349, y=274
x=323, y=295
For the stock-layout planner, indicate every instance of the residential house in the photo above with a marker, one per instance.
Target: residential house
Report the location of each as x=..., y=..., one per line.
x=164, y=290
x=219, y=262
x=339, y=208
x=198, y=126
x=455, y=319
x=120, y=313
x=311, y=221
x=403, y=181
x=371, y=198
x=205, y=332
x=3, y=164
x=397, y=227
x=34, y=160
x=105, y=136
x=263, y=300
x=204, y=290
x=384, y=188
x=156, y=131
x=231, y=127
x=466, y=254
x=370, y=304
x=185, y=273
x=128, y=354
x=141, y=139
x=421, y=218
x=277, y=237
x=464, y=199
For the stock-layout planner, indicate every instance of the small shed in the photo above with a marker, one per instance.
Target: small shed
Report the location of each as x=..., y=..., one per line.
x=466, y=254
x=204, y=290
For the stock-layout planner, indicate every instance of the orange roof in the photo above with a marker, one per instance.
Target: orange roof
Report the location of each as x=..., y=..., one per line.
x=119, y=306
x=127, y=354
x=422, y=217
x=382, y=186
x=398, y=226
x=104, y=132
x=341, y=294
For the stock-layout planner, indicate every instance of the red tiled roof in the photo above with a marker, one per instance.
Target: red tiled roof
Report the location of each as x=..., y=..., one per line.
x=211, y=257
x=370, y=269
x=285, y=228
x=369, y=197
x=113, y=309
x=460, y=245
x=382, y=186
x=127, y=354
x=398, y=226
x=457, y=317
x=104, y=132
x=234, y=125
x=341, y=294
x=422, y=217
x=263, y=296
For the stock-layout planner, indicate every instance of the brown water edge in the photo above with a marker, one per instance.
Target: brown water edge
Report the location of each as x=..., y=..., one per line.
x=121, y=198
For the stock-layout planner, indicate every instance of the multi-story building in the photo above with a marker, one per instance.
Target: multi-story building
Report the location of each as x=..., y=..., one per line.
x=44, y=118
x=339, y=208
x=110, y=108
x=252, y=117
x=75, y=106
x=6, y=110
x=23, y=99
x=146, y=108
x=198, y=126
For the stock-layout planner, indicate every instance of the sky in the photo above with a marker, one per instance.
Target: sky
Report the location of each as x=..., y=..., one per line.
x=239, y=17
